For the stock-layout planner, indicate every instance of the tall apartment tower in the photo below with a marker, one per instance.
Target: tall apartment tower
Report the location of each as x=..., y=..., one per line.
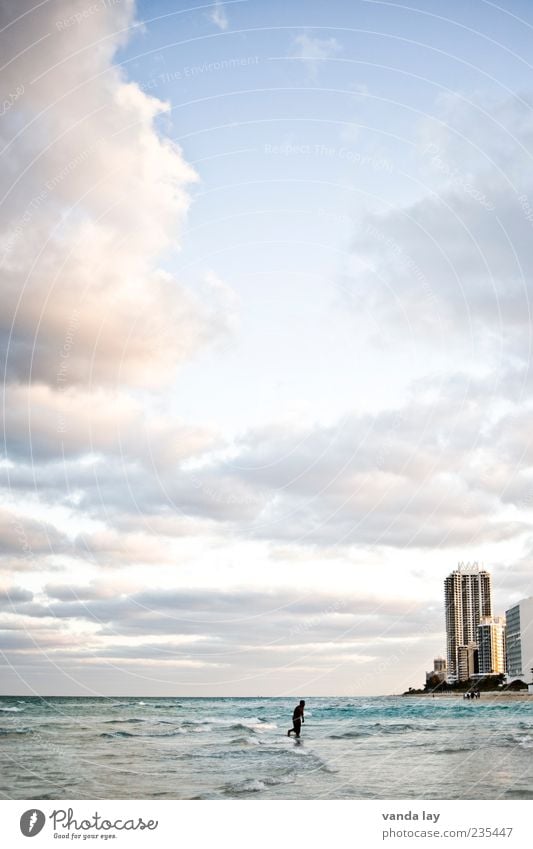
x=520, y=641
x=467, y=597
x=491, y=645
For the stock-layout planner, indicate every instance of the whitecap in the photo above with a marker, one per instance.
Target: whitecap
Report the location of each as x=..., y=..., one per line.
x=256, y=785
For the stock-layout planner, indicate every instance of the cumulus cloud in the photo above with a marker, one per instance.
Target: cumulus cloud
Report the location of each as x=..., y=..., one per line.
x=93, y=193
x=47, y=425
x=12, y=595
x=24, y=540
x=435, y=473
x=455, y=264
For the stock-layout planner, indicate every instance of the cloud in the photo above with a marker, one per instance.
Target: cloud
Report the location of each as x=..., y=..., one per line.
x=47, y=425
x=417, y=476
x=258, y=617
x=313, y=51
x=13, y=595
x=94, y=194
x=246, y=634
x=455, y=263
x=116, y=548
x=219, y=16
x=27, y=541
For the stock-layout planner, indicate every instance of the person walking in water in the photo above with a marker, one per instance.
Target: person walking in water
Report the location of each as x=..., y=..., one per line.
x=297, y=719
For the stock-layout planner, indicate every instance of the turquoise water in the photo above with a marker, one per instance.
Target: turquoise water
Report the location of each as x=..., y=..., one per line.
x=351, y=748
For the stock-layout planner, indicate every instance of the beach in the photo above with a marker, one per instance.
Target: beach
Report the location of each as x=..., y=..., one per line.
x=492, y=696
x=227, y=748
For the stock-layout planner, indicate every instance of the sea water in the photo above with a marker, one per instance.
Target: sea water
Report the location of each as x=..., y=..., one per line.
x=228, y=748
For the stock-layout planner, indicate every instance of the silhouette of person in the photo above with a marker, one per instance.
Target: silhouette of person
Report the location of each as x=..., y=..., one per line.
x=297, y=719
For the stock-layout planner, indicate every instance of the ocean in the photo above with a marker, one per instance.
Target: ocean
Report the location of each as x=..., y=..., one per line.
x=229, y=748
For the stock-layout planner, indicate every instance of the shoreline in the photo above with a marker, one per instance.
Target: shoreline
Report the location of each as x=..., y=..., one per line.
x=488, y=695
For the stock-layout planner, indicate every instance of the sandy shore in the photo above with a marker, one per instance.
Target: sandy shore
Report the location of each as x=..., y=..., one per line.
x=490, y=696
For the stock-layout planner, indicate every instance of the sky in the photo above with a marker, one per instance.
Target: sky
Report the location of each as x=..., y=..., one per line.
x=265, y=339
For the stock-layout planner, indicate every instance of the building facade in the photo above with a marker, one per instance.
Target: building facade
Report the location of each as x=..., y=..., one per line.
x=439, y=671
x=467, y=598
x=491, y=645
x=519, y=641
x=467, y=661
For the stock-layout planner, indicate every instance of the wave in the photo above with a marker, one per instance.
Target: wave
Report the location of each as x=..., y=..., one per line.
x=5, y=732
x=514, y=793
x=349, y=735
x=395, y=727
x=244, y=741
x=115, y=734
x=524, y=741
x=117, y=721
x=229, y=724
x=240, y=726
x=253, y=726
x=256, y=785
x=143, y=734
x=453, y=750
x=377, y=728
x=12, y=709
x=175, y=733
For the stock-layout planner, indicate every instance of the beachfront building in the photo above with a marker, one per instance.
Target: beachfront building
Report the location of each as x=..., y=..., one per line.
x=520, y=641
x=491, y=645
x=467, y=661
x=438, y=673
x=467, y=597
x=439, y=666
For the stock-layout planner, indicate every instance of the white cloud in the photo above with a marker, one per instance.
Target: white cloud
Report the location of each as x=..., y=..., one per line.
x=455, y=264
x=313, y=51
x=93, y=194
x=218, y=16
x=24, y=542
x=52, y=426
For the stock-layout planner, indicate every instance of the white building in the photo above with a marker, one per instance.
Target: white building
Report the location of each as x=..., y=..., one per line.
x=491, y=645
x=467, y=597
x=520, y=640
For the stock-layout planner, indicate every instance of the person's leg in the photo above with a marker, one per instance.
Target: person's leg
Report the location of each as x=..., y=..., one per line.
x=297, y=727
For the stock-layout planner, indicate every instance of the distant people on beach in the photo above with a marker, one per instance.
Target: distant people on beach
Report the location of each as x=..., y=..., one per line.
x=297, y=719
x=475, y=694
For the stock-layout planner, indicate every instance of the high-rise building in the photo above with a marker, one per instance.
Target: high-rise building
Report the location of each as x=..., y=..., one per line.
x=467, y=597
x=438, y=673
x=491, y=645
x=520, y=640
x=467, y=661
